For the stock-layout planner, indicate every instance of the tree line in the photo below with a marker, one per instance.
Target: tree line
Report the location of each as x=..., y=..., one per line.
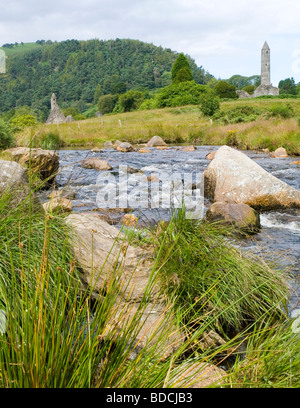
x=79, y=72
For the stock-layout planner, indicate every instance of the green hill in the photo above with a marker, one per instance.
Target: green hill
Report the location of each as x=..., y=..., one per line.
x=73, y=70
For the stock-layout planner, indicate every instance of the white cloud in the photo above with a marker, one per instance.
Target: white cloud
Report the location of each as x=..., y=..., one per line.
x=224, y=36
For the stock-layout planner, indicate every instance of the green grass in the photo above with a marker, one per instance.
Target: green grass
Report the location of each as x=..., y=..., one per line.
x=60, y=334
x=236, y=295
x=272, y=360
x=181, y=125
x=205, y=270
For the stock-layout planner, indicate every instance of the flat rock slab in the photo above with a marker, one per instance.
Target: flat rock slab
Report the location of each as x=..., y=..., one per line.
x=233, y=177
x=106, y=259
x=103, y=254
x=195, y=375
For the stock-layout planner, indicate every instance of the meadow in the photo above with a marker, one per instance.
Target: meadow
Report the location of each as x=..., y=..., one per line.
x=59, y=332
x=270, y=128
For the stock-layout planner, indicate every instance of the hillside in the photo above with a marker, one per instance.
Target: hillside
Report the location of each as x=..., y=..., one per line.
x=20, y=49
x=73, y=69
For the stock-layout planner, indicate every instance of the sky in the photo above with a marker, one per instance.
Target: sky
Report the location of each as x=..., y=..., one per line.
x=225, y=37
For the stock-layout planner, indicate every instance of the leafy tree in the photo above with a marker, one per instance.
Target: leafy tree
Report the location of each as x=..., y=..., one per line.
x=179, y=94
x=166, y=78
x=107, y=103
x=21, y=121
x=209, y=103
x=212, y=82
x=75, y=71
x=241, y=82
x=287, y=86
x=181, y=71
x=131, y=100
x=225, y=90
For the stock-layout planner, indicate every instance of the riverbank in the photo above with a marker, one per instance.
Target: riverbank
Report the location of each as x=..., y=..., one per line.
x=182, y=125
x=230, y=318
x=61, y=334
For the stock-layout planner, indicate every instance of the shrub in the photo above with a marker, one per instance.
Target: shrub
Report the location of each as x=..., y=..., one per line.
x=185, y=93
x=209, y=104
x=225, y=90
x=148, y=104
x=74, y=112
x=231, y=139
x=131, y=100
x=107, y=103
x=238, y=114
x=285, y=111
x=6, y=139
x=90, y=112
x=22, y=121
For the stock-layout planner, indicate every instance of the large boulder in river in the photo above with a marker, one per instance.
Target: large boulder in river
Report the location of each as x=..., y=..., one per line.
x=240, y=216
x=233, y=177
x=43, y=162
x=156, y=141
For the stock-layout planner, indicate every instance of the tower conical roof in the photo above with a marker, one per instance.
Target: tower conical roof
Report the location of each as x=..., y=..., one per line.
x=265, y=46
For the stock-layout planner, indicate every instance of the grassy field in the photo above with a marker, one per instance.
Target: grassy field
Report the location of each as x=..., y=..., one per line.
x=18, y=49
x=180, y=125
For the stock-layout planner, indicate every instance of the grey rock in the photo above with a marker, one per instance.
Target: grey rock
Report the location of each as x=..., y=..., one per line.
x=108, y=145
x=43, y=162
x=278, y=153
x=156, y=141
x=233, y=177
x=96, y=149
x=241, y=216
x=14, y=182
x=124, y=147
x=96, y=164
x=105, y=259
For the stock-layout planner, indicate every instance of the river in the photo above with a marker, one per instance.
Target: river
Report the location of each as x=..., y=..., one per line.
x=280, y=233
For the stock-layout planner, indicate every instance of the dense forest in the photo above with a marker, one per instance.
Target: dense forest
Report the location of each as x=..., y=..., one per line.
x=78, y=72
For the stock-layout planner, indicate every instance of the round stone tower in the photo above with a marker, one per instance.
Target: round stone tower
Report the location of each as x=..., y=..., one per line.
x=265, y=65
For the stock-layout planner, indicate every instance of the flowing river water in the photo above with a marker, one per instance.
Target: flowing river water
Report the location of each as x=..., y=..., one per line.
x=279, y=237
